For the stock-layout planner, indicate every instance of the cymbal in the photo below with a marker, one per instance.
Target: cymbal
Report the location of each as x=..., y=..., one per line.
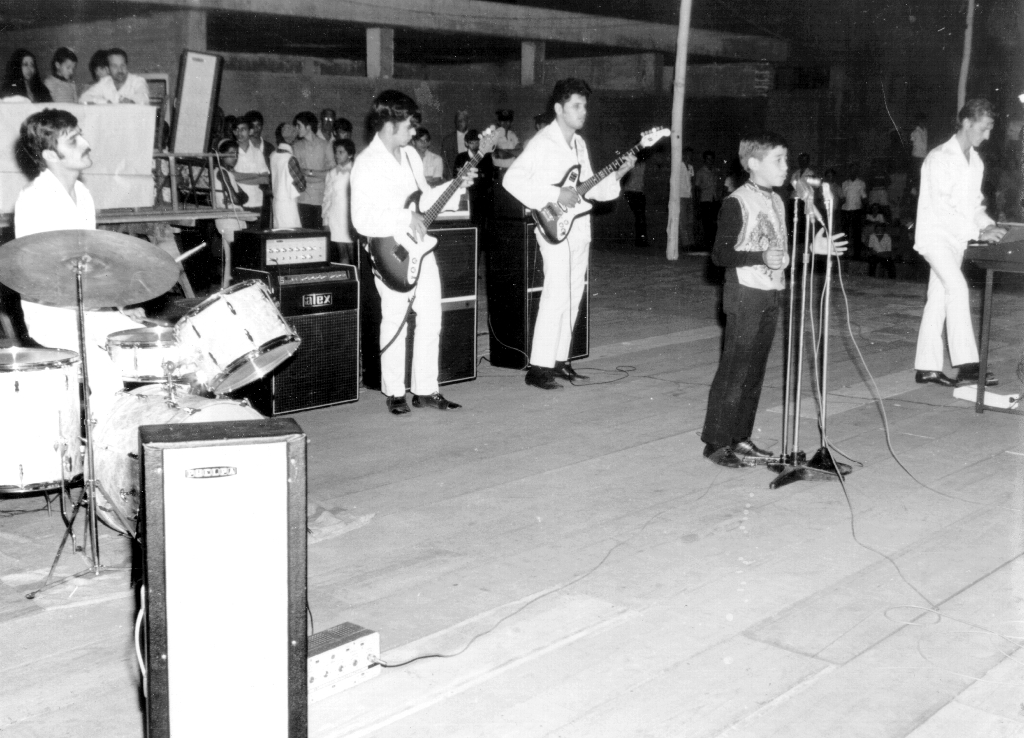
x=117, y=270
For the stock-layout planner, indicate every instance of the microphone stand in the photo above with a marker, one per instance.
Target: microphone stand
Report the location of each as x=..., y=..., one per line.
x=794, y=466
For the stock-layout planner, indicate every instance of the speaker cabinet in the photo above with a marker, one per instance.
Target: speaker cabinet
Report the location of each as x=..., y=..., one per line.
x=515, y=278
x=456, y=255
x=321, y=303
x=224, y=537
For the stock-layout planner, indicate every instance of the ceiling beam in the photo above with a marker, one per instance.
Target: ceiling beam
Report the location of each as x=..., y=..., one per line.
x=510, y=21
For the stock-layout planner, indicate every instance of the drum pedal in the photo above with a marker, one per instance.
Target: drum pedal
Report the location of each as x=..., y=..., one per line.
x=339, y=658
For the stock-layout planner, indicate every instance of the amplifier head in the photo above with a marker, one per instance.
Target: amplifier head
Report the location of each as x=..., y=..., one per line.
x=293, y=246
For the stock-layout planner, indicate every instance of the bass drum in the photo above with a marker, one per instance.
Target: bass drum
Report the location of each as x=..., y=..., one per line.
x=116, y=442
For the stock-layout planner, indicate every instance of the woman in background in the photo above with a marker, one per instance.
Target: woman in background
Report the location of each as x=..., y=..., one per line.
x=22, y=79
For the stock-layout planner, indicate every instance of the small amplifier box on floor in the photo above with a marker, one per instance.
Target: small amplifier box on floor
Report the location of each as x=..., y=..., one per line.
x=341, y=657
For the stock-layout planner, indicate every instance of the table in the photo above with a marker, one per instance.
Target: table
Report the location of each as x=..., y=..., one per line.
x=1005, y=256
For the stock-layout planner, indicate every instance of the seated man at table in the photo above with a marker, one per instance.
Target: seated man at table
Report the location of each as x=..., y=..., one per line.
x=121, y=86
x=56, y=200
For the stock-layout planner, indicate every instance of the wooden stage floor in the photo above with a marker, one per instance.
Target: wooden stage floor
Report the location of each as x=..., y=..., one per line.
x=596, y=576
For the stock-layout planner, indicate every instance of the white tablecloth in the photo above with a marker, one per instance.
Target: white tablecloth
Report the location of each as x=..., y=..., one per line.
x=121, y=137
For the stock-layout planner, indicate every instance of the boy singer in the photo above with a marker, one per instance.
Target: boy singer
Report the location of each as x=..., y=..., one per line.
x=751, y=244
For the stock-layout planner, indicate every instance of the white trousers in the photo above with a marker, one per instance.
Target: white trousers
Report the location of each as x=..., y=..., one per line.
x=948, y=304
x=58, y=328
x=426, y=303
x=565, y=274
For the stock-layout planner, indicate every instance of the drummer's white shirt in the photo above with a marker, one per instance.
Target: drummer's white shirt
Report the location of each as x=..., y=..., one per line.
x=44, y=205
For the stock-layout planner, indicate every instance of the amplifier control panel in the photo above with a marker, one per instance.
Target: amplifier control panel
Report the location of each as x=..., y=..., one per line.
x=296, y=250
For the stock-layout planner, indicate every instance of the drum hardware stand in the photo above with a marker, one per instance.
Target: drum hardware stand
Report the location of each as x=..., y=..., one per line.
x=794, y=466
x=89, y=485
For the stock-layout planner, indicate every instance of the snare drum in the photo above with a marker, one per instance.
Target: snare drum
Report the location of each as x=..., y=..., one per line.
x=140, y=353
x=116, y=442
x=235, y=337
x=40, y=435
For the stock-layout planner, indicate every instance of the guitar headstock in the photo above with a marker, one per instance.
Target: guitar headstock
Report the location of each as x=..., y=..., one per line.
x=651, y=137
x=488, y=140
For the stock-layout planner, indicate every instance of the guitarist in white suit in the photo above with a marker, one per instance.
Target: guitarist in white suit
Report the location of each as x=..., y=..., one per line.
x=384, y=176
x=533, y=180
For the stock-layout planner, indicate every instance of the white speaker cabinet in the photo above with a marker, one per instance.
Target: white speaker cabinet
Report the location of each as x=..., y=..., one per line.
x=224, y=533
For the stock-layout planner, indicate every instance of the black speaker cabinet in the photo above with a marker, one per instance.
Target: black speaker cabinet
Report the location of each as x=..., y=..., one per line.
x=515, y=277
x=224, y=535
x=456, y=255
x=321, y=303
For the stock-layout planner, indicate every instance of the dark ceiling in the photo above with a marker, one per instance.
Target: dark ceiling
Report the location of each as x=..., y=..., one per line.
x=819, y=31
x=251, y=33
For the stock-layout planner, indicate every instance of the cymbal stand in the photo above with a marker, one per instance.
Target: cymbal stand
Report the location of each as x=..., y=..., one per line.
x=794, y=465
x=89, y=486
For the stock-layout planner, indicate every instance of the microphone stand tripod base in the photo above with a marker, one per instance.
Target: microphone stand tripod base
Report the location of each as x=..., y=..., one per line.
x=820, y=468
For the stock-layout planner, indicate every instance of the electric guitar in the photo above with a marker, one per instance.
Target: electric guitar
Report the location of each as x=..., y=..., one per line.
x=397, y=260
x=555, y=220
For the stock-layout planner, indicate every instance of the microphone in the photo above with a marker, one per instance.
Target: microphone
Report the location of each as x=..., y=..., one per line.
x=803, y=191
x=827, y=194
x=809, y=180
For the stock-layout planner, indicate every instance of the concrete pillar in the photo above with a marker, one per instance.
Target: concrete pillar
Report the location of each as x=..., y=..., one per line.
x=652, y=69
x=380, y=53
x=195, y=30
x=532, y=66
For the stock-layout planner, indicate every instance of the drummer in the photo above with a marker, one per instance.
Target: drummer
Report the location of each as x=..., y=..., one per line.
x=56, y=200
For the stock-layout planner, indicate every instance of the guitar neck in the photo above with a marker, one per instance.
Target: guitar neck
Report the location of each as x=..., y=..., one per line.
x=584, y=187
x=453, y=187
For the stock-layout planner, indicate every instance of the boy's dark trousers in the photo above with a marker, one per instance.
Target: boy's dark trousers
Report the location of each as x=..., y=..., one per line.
x=750, y=319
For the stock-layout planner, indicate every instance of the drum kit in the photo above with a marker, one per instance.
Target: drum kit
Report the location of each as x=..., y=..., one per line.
x=180, y=373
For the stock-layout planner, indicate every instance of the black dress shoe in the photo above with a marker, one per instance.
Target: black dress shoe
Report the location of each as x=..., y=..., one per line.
x=398, y=405
x=747, y=451
x=934, y=378
x=969, y=373
x=726, y=457
x=542, y=377
x=564, y=370
x=436, y=400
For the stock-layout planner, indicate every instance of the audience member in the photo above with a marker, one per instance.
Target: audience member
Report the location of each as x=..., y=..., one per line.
x=255, y=120
x=709, y=200
x=433, y=165
x=506, y=142
x=317, y=160
x=342, y=129
x=918, y=149
x=61, y=82
x=880, y=250
x=22, y=79
x=878, y=191
x=120, y=86
x=686, y=231
x=99, y=67
x=803, y=166
x=481, y=192
x=326, y=132
x=336, y=202
x=633, y=191
x=227, y=194
x=854, y=193
x=454, y=143
x=251, y=172
x=286, y=179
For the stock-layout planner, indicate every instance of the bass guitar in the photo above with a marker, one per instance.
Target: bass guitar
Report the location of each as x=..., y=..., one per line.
x=397, y=260
x=555, y=220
